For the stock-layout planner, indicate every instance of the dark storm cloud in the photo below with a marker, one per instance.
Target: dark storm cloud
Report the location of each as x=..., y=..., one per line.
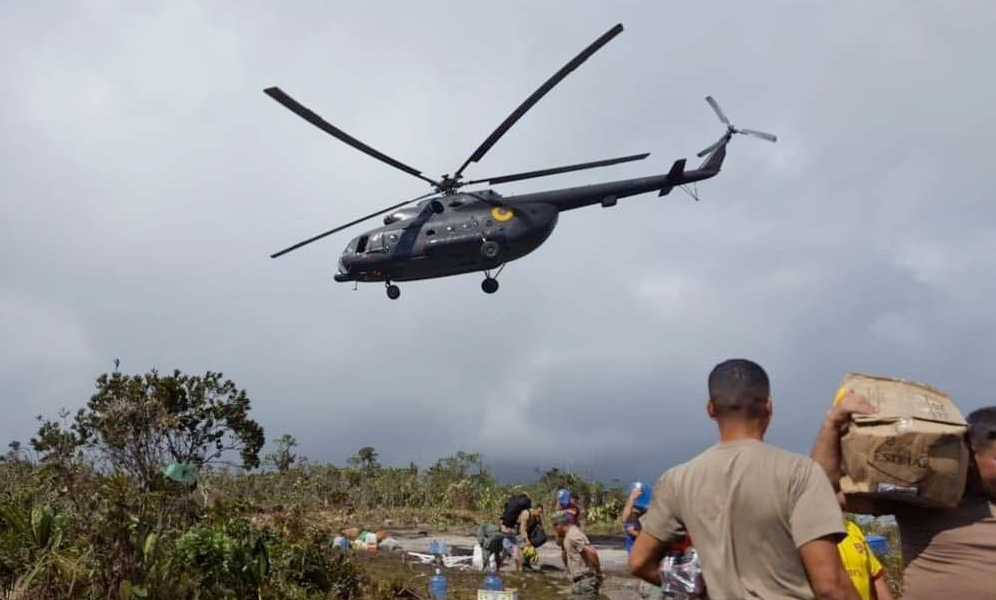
x=146, y=178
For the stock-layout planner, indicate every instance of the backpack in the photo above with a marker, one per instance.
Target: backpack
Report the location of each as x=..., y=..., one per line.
x=537, y=535
x=513, y=508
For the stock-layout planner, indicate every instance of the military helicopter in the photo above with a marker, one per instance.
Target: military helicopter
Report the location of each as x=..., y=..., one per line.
x=449, y=231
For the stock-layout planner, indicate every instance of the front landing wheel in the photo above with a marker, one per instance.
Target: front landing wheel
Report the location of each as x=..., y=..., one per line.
x=393, y=292
x=489, y=285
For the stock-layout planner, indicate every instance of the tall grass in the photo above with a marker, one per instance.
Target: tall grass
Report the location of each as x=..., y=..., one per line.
x=70, y=531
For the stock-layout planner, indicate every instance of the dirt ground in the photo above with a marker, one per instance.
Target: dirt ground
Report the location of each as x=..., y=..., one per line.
x=611, y=551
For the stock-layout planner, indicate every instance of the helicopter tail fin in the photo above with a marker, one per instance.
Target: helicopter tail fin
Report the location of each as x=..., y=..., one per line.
x=673, y=177
x=714, y=161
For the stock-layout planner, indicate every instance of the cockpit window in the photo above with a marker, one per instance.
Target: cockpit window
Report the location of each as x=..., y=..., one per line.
x=376, y=243
x=361, y=244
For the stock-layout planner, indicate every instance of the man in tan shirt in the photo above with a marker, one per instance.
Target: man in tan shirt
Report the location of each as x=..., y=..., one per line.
x=765, y=521
x=584, y=570
x=948, y=553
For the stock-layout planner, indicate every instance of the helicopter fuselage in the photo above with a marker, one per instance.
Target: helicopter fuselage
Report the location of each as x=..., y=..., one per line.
x=445, y=236
x=466, y=232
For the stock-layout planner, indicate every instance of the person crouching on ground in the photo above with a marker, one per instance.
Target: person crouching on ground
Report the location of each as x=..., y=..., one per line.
x=520, y=522
x=765, y=522
x=949, y=552
x=584, y=570
x=531, y=536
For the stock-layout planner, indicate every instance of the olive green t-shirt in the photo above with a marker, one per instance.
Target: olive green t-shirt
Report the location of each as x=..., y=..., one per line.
x=748, y=507
x=951, y=552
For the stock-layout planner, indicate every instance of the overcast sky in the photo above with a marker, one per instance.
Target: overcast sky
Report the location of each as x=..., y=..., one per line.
x=145, y=178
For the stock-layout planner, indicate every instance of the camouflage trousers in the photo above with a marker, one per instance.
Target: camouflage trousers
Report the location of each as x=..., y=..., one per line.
x=586, y=589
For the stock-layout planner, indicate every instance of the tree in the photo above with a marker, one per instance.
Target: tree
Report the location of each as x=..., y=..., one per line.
x=282, y=458
x=56, y=442
x=460, y=465
x=15, y=454
x=141, y=422
x=365, y=458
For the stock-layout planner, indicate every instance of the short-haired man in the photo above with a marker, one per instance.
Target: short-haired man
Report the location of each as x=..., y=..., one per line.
x=765, y=521
x=949, y=553
x=580, y=558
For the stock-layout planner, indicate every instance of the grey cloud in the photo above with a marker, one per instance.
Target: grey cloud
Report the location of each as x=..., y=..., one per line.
x=146, y=178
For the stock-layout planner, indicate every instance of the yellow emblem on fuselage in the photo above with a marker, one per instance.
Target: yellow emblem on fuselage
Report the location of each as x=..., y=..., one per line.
x=500, y=213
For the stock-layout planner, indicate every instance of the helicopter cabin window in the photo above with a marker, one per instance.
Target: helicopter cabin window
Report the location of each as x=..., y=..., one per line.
x=361, y=244
x=429, y=232
x=376, y=243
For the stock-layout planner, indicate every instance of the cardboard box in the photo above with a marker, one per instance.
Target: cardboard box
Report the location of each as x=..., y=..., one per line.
x=913, y=450
x=493, y=595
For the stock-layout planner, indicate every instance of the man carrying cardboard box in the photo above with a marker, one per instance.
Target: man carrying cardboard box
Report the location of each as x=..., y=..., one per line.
x=948, y=552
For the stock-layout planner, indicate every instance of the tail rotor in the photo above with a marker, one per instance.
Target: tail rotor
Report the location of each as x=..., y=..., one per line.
x=731, y=130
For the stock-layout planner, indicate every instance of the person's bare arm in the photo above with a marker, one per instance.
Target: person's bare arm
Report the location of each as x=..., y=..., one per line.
x=825, y=572
x=630, y=503
x=826, y=450
x=524, y=527
x=882, y=590
x=645, y=558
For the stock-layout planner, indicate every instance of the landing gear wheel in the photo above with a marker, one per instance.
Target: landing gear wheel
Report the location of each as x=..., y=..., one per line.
x=489, y=285
x=490, y=250
x=393, y=292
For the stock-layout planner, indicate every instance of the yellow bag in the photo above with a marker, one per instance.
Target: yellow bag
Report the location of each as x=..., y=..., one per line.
x=530, y=557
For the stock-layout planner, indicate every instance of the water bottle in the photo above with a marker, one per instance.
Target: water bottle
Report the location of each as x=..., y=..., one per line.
x=437, y=586
x=437, y=547
x=492, y=582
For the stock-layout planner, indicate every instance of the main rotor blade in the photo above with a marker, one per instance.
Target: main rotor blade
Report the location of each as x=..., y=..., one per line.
x=760, y=134
x=719, y=112
x=348, y=225
x=539, y=93
x=302, y=111
x=557, y=170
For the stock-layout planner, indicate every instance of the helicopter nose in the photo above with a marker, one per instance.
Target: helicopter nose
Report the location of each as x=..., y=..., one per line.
x=344, y=264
